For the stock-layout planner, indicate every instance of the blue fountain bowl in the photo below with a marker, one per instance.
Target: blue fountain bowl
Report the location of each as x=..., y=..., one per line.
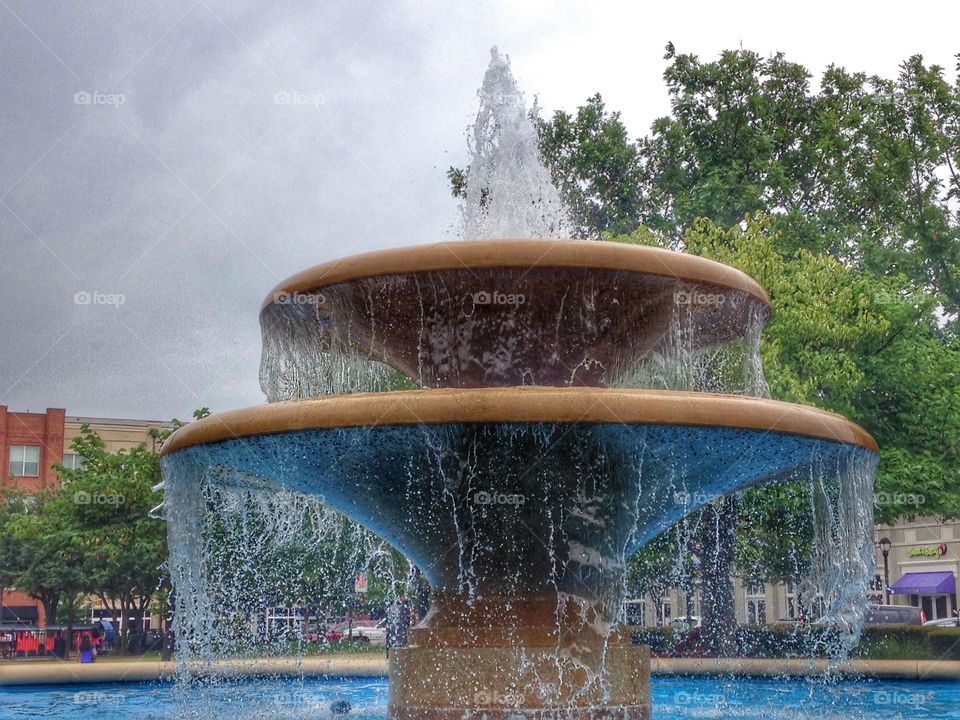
x=536, y=486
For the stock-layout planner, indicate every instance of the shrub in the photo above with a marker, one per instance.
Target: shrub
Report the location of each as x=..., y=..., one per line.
x=945, y=643
x=660, y=639
x=877, y=642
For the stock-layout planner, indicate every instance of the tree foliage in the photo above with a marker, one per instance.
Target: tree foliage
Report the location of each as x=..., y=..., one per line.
x=863, y=170
x=91, y=534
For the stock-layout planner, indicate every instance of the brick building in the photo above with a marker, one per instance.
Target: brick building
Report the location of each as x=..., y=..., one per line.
x=30, y=443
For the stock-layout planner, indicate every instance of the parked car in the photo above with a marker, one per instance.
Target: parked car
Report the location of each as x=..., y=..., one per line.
x=683, y=625
x=894, y=615
x=375, y=634
x=336, y=633
x=944, y=622
x=361, y=630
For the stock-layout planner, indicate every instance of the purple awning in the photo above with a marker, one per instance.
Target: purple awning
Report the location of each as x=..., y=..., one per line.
x=924, y=583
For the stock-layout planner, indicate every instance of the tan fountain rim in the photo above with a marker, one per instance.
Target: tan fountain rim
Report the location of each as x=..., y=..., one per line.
x=525, y=253
x=522, y=404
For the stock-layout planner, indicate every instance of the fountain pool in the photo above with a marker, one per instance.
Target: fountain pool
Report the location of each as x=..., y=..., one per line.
x=676, y=698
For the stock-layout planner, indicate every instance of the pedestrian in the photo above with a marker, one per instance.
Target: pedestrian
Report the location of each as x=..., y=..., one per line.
x=86, y=649
x=60, y=645
x=398, y=623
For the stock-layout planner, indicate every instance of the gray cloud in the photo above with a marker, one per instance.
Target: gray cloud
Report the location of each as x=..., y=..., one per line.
x=184, y=186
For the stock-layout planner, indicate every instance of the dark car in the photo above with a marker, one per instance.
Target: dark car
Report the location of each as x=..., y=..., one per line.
x=893, y=615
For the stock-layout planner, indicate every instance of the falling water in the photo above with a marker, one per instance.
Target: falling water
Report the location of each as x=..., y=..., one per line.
x=242, y=548
x=841, y=498
x=241, y=545
x=433, y=333
x=242, y=516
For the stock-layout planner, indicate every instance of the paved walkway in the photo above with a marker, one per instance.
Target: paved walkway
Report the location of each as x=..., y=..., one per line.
x=40, y=673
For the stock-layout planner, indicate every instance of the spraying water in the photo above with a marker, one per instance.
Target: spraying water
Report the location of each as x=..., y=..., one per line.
x=509, y=191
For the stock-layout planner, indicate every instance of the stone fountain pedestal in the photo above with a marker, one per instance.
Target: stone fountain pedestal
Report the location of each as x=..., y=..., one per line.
x=517, y=658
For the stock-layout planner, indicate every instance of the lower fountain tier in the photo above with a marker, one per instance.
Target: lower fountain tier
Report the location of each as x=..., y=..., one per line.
x=508, y=491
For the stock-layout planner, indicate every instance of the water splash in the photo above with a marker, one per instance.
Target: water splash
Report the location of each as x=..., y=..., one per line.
x=238, y=541
x=687, y=360
x=510, y=193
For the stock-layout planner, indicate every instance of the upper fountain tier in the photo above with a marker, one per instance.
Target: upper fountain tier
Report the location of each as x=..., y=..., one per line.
x=501, y=313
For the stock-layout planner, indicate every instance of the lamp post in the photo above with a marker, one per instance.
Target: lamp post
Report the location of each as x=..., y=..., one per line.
x=884, y=545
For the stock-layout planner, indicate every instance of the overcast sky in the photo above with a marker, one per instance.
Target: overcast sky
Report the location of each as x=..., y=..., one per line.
x=165, y=164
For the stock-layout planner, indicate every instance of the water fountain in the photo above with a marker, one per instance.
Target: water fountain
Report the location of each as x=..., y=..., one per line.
x=522, y=465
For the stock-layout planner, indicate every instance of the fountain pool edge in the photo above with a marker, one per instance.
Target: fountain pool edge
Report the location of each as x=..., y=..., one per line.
x=38, y=673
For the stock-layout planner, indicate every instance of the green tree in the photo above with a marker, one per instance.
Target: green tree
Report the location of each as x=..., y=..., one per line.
x=595, y=166
x=865, y=170
x=105, y=503
x=44, y=555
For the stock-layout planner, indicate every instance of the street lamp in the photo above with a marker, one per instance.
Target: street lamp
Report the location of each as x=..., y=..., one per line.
x=884, y=545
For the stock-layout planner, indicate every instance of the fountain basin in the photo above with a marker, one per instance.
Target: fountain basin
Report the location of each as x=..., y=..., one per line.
x=677, y=697
x=502, y=312
x=508, y=491
x=520, y=506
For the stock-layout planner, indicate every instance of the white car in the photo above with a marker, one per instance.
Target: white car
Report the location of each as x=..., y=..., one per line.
x=942, y=622
x=685, y=624
x=375, y=634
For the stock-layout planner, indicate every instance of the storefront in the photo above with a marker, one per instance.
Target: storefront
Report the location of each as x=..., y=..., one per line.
x=933, y=591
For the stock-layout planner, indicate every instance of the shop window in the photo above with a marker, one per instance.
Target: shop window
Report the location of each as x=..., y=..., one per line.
x=756, y=603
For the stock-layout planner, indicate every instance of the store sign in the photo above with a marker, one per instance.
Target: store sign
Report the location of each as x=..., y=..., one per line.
x=928, y=551
x=360, y=584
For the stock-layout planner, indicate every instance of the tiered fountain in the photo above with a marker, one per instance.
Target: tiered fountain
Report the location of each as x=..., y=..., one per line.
x=522, y=469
